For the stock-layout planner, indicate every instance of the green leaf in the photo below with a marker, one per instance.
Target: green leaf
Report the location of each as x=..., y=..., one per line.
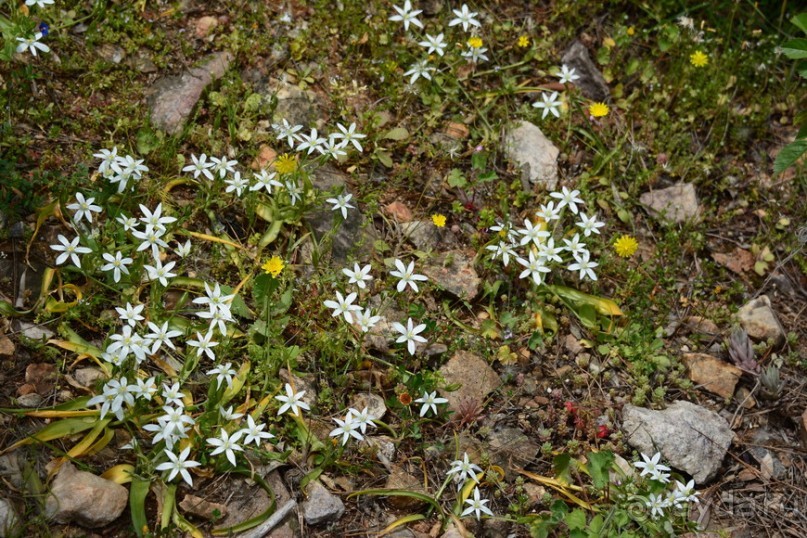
x=398, y=133
x=398, y=493
x=57, y=430
x=455, y=178
x=561, y=466
x=263, y=288
x=576, y=519
x=138, y=490
x=384, y=157
x=789, y=155
x=599, y=463
x=800, y=21
x=795, y=49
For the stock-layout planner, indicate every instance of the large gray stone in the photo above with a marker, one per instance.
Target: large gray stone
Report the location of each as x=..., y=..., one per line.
x=690, y=437
x=678, y=203
x=759, y=320
x=537, y=157
x=454, y=272
x=591, y=82
x=475, y=377
x=84, y=498
x=9, y=520
x=173, y=98
x=322, y=506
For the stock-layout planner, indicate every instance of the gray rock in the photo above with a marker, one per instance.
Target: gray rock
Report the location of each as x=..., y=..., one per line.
x=322, y=506
x=759, y=320
x=426, y=236
x=692, y=438
x=250, y=500
x=88, y=377
x=172, y=98
x=112, y=53
x=373, y=402
x=534, y=153
x=400, y=479
x=9, y=519
x=591, y=82
x=678, y=203
x=35, y=331
x=84, y=498
x=334, y=235
x=10, y=470
x=298, y=107
x=29, y=400
x=454, y=272
x=474, y=376
x=511, y=448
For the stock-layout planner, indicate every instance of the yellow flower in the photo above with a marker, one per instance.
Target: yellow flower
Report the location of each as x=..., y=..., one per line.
x=598, y=110
x=475, y=42
x=439, y=220
x=631, y=30
x=609, y=42
x=273, y=266
x=625, y=246
x=285, y=164
x=523, y=41
x=698, y=59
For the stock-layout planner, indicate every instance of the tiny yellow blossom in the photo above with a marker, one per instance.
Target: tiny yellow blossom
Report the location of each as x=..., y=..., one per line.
x=609, y=43
x=285, y=164
x=273, y=266
x=625, y=246
x=439, y=220
x=698, y=59
x=598, y=110
x=631, y=30
x=523, y=41
x=475, y=42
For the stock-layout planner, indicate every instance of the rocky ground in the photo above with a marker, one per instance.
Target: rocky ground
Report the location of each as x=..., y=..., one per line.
x=705, y=365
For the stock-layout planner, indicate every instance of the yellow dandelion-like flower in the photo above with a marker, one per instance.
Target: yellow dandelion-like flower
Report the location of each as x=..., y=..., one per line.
x=609, y=42
x=631, y=30
x=439, y=220
x=523, y=41
x=699, y=59
x=273, y=266
x=475, y=42
x=625, y=246
x=598, y=110
x=286, y=164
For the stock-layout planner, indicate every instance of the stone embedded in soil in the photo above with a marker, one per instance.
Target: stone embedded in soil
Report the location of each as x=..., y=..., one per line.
x=677, y=204
x=760, y=322
x=591, y=82
x=84, y=498
x=172, y=98
x=426, y=236
x=7, y=347
x=714, y=375
x=351, y=235
x=510, y=448
x=41, y=375
x=10, y=470
x=454, y=272
x=201, y=508
x=399, y=479
x=321, y=506
x=690, y=437
x=29, y=400
x=374, y=403
x=398, y=211
x=297, y=106
x=537, y=157
x=475, y=377
x=8, y=520
x=34, y=331
x=88, y=377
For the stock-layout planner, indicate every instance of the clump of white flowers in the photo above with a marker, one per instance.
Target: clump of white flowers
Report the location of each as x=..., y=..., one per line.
x=542, y=244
